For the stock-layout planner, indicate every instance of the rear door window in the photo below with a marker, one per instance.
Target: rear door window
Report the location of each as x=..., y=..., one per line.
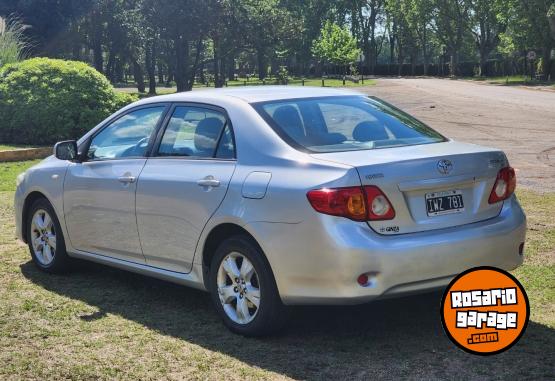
x=197, y=132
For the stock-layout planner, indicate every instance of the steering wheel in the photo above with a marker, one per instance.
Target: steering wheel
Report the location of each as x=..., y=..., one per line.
x=138, y=149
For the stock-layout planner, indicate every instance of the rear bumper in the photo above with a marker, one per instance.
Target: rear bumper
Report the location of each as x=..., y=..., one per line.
x=318, y=261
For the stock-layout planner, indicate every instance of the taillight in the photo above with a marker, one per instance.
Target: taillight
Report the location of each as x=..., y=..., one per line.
x=355, y=203
x=504, y=186
x=379, y=207
x=344, y=202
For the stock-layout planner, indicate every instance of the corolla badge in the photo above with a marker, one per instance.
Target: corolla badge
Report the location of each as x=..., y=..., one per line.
x=444, y=166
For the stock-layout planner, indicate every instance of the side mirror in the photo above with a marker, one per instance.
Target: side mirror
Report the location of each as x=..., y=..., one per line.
x=66, y=150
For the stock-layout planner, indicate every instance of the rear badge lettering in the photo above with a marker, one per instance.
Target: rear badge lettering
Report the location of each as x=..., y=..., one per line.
x=389, y=229
x=375, y=176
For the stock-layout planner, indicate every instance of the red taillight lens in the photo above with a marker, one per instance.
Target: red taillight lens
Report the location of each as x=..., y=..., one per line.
x=504, y=186
x=344, y=202
x=356, y=203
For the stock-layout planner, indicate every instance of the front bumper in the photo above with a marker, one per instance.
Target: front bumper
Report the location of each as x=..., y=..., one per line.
x=18, y=211
x=318, y=262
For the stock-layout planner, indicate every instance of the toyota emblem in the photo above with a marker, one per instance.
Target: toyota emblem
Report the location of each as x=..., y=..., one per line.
x=444, y=167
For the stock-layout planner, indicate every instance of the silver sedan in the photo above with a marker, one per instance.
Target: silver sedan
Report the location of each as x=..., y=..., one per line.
x=273, y=196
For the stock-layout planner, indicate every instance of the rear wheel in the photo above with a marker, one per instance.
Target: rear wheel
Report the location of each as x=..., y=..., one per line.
x=243, y=289
x=45, y=238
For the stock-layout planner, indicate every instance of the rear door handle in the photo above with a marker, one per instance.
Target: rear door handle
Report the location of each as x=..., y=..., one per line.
x=127, y=179
x=209, y=181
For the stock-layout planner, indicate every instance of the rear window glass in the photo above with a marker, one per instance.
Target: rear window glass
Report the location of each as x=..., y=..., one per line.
x=346, y=123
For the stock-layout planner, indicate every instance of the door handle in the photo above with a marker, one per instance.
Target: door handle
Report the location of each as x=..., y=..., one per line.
x=208, y=181
x=127, y=179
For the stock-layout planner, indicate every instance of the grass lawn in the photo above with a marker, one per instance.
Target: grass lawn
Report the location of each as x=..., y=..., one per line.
x=4, y=147
x=160, y=90
x=101, y=323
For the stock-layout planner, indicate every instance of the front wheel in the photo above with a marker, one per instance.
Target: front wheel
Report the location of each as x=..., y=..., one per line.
x=243, y=289
x=45, y=238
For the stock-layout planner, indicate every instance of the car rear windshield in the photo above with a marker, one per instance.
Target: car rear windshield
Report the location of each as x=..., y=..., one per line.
x=344, y=123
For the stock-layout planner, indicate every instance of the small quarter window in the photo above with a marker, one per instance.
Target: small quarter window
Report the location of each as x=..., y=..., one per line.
x=226, y=148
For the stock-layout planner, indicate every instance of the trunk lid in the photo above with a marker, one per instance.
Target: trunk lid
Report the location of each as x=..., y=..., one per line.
x=415, y=178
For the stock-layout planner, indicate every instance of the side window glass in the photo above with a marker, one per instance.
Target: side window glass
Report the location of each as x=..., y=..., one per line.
x=226, y=148
x=192, y=131
x=126, y=137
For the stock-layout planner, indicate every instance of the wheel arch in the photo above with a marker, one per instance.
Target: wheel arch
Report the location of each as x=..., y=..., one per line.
x=29, y=200
x=217, y=235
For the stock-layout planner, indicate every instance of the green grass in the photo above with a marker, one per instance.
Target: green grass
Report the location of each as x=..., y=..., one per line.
x=298, y=82
x=241, y=82
x=10, y=147
x=100, y=323
x=9, y=171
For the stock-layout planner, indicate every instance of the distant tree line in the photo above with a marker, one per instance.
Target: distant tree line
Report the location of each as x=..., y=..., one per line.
x=211, y=41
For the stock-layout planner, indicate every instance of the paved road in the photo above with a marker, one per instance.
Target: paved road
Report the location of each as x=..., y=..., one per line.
x=518, y=120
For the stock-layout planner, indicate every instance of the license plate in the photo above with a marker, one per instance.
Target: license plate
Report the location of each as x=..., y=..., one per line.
x=445, y=202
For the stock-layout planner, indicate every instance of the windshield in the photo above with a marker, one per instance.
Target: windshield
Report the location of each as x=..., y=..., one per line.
x=345, y=123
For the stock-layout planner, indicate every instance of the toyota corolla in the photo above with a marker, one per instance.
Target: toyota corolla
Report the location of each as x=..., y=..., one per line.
x=273, y=196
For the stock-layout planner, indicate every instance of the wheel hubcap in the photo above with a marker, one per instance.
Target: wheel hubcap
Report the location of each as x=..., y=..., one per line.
x=43, y=237
x=238, y=288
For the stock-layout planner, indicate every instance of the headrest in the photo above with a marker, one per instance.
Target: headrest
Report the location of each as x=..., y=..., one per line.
x=207, y=133
x=288, y=118
x=369, y=131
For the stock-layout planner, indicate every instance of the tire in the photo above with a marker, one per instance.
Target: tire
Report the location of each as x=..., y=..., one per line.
x=265, y=319
x=44, y=230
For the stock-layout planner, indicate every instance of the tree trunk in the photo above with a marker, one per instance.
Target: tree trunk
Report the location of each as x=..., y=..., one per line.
x=139, y=77
x=119, y=72
x=219, y=76
x=262, y=65
x=181, y=60
x=483, y=64
x=193, y=71
x=546, y=70
x=160, y=73
x=110, y=66
x=98, y=59
x=231, y=67
x=150, y=59
x=97, y=56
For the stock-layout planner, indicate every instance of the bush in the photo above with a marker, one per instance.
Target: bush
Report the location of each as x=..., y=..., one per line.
x=44, y=100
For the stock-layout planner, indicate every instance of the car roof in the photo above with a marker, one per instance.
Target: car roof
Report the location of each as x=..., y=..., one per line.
x=252, y=94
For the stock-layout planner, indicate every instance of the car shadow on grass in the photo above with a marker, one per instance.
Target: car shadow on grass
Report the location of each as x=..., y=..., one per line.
x=397, y=338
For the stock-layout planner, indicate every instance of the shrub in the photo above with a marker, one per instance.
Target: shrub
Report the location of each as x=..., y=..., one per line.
x=45, y=100
x=282, y=75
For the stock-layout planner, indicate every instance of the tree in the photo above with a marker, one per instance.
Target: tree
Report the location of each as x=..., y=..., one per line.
x=364, y=20
x=486, y=26
x=528, y=28
x=451, y=20
x=551, y=19
x=336, y=45
x=405, y=34
x=419, y=16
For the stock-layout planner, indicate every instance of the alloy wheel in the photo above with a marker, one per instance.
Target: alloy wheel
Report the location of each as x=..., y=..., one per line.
x=43, y=237
x=238, y=288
